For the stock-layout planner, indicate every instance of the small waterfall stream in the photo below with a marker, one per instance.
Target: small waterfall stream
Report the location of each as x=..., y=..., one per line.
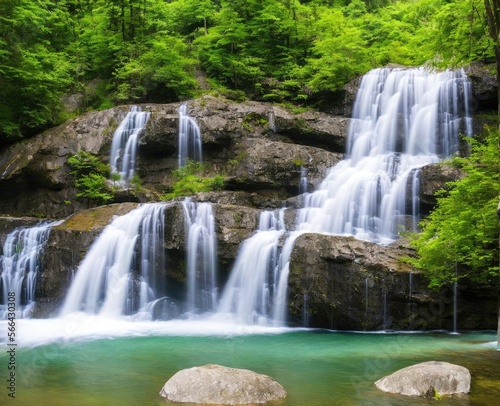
x=20, y=264
x=201, y=257
x=125, y=144
x=120, y=275
x=189, y=138
x=256, y=290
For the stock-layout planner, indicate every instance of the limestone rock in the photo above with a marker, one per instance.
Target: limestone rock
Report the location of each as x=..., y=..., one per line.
x=427, y=379
x=219, y=385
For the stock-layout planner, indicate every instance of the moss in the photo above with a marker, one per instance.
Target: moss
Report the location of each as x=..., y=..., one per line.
x=87, y=220
x=252, y=120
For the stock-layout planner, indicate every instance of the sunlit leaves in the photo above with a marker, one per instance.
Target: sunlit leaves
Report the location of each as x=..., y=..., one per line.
x=462, y=232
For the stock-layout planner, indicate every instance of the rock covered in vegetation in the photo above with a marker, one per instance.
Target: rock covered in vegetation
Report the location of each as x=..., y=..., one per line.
x=428, y=379
x=34, y=174
x=218, y=385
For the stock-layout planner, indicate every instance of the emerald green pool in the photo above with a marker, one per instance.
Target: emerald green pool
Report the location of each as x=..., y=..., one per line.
x=317, y=368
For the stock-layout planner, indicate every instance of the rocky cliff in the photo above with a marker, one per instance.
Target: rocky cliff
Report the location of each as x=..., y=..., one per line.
x=259, y=149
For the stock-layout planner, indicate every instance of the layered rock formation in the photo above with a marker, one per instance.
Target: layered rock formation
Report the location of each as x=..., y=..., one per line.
x=259, y=149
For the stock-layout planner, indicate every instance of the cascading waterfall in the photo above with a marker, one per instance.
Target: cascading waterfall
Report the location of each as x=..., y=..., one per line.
x=256, y=290
x=201, y=257
x=125, y=145
x=189, y=138
x=20, y=265
x=402, y=120
x=121, y=273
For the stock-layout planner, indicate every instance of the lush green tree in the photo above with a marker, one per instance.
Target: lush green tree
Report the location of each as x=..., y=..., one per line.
x=34, y=67
x=492, y=8
x=339, y=53
x=459, y=239
x=156, y=71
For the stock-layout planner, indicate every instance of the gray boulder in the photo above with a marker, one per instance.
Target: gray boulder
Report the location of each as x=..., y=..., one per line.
x=216, y=384
x=427, y=379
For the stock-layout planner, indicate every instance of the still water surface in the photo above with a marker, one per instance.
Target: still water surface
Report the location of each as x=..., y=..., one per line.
x=317, y=367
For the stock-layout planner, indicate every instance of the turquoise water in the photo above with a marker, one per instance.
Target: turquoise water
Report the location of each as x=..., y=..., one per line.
x=317, y=368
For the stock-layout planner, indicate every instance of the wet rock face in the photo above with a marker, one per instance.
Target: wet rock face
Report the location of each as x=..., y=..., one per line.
x=346, y=284
x=257, y=147
x=432, y=179
x=427, y=379
x=34, y=175
x=219, y=385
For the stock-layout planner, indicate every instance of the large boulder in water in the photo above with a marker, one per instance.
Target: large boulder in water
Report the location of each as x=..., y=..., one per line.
x=429, y=379
x=219, y=385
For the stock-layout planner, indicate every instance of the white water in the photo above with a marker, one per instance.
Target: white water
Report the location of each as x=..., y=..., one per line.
x=20, y=265
x=402, y=120
x=201, y=257
x=189, y=138
x=120, y=273
x=125, y=144
x=256, y=290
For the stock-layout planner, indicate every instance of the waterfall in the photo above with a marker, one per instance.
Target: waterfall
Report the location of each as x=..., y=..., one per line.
x=256, y=290
x=122, y=271
x=201, y=256
x=125, y=144
x=20, y=265
x=189, y=138
x=402, y=120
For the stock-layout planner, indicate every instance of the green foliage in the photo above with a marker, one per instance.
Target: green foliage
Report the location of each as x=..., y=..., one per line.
x=190, y=180
x=461, y=234
x=34, y=66
x=283, y=51
x=90, y=177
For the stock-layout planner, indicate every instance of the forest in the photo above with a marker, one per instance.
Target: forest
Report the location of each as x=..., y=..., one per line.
x=284, y=51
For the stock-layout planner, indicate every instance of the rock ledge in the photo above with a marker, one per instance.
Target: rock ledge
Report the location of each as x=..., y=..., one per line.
x=219, y=385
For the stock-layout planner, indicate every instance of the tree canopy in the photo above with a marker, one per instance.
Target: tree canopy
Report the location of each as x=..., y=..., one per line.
x=118, y=51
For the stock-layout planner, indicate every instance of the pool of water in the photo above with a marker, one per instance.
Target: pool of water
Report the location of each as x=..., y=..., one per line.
x=316, y=367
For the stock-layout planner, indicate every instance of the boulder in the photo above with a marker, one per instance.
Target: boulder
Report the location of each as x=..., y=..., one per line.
x=428, y=379
x=219, y=385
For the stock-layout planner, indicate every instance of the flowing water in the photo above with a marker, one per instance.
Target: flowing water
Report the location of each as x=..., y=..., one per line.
x=20, y=265
x=402, y=120
x=125, y=144
x=122, y=271
x=256, y=290
x=189, y=138
x=201, y=257
x=104, y=349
